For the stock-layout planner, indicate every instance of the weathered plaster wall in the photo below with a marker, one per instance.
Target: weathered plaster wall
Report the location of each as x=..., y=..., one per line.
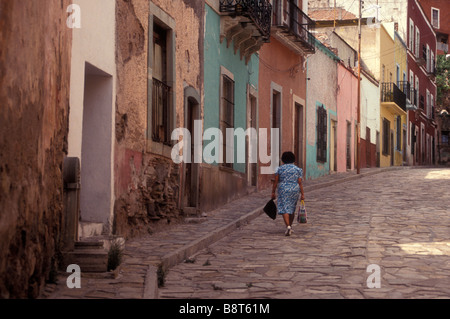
x=147, y=185
x=34, y=97
x=322, y=90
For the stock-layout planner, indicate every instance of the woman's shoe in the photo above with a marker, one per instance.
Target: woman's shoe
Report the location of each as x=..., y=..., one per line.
x=288, y=231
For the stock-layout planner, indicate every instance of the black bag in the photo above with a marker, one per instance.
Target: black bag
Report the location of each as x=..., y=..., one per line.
x=271, y=209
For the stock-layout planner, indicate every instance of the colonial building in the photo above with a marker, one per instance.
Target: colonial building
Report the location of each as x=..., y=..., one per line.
x=438, y=14
x=233, y=35
x=159, y=87
x=417, y=33
x=321, y=110
x=421, y=41
x=393, y=98
x=282, y=83
x=92, y=116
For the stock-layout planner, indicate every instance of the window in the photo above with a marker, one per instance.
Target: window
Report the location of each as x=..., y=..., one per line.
x=161, y=101
x=276, y=113
x=444, y=138
x=398, y=75
x=428, y=105
x=432, y=63
x=411, y=81
x=435, y=21
x=432, y=107
x=321, y=134
x=386, y=130
x=226, y=114
x=411, y=35
x=161, y=91
x=399, y=133
x=417, y=50
x=416, y=97
x=428, y=59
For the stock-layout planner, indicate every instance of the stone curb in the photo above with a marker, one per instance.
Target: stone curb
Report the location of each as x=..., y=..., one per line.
x=176, y=257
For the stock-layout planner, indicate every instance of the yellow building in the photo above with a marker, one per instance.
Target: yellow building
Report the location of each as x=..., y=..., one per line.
x=394, y=86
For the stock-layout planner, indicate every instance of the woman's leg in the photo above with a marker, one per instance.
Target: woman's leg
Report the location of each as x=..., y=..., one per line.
x=291, y=219
x=287, y=219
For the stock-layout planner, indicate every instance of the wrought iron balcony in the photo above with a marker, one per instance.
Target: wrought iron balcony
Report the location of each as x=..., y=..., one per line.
x=421, y=58
x=258, y=11
x=390, y=92
x=293, y=26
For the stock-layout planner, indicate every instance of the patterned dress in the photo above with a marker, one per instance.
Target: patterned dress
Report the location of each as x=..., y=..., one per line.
x=288, y=188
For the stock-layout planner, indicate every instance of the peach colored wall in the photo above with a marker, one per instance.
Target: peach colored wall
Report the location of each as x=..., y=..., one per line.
x=285, y=68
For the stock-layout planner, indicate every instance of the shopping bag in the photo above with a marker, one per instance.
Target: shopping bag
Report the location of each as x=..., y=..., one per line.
x=302, y=217
x=271, y=209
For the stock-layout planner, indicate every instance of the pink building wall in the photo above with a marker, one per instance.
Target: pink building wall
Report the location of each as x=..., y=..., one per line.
x=347, y=97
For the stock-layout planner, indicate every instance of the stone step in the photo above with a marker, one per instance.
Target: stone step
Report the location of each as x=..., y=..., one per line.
x=82, y=245
x=89, y=260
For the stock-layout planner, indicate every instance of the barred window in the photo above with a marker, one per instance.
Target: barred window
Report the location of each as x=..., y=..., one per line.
x=321, y=134
x=226, y=114
x=161, y=91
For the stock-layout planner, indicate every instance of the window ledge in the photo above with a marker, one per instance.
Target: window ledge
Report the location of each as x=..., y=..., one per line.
x=159, y=149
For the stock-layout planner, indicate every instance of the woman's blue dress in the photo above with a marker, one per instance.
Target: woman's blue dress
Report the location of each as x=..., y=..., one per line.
x=288, y=188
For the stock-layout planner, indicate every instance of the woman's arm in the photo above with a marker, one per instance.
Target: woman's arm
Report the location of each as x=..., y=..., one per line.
x=301, y=189
x=274, y=187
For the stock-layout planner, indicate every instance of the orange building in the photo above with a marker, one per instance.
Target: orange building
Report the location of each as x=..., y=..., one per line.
x=282, y=80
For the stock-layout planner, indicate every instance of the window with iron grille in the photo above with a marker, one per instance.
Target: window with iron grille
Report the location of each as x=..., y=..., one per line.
x=321, y=134
x=226, y=115
x=161, y=91
x=386, y=130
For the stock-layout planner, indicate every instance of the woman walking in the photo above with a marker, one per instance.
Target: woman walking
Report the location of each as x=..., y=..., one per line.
x=288, y=180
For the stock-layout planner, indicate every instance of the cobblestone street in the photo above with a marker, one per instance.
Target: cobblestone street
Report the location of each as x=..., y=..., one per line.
x=398, y=220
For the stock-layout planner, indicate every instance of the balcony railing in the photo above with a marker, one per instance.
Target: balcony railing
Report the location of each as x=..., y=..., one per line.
x=390, y=92
x=259, y=11
x=161, y=112
x=295, y=23
x=421, y=57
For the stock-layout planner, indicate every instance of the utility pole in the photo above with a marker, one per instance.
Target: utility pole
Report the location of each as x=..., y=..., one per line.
x=358, y=136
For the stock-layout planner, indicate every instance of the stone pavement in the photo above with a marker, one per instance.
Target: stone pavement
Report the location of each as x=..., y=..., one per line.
x=383, y=237
x=154, y=257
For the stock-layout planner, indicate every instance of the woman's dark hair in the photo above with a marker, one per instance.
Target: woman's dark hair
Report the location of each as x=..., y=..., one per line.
x=288, y=158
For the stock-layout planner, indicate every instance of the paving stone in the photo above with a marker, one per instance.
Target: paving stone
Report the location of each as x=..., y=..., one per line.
x=371, y=221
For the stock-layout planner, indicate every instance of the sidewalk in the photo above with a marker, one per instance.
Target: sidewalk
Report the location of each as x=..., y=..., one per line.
x=147, y=259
